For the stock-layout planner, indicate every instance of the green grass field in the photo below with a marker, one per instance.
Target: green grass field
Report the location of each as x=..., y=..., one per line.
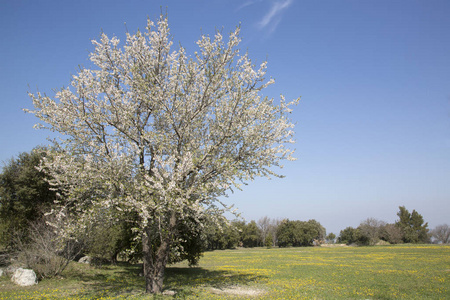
x=382, y=272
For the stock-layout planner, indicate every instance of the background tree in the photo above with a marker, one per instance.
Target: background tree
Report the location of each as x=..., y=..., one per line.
x=392, y=234
x=318, y=232
x=287, y=235
x=25, y=194
x=299, y=233
x=264, y=224
x=251, y=235
x=155, y=132
x=221, y=234
x=349, y=236
x=419, y=227
x=370, y=231
x=274, y=231
x=441, y=234
x=414, y=230
x=331, y=237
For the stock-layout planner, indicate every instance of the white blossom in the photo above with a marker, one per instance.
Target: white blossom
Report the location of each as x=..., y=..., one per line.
x=154, y=131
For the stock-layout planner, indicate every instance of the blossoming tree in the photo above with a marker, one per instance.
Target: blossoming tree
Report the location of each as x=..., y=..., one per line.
x=161, y=134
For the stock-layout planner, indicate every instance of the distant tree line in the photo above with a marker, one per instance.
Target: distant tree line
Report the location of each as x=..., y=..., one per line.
x=265, y=232
x=25, y=197
x=409, y=228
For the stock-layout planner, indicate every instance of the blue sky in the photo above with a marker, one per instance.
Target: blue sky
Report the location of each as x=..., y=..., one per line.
x=373, y=126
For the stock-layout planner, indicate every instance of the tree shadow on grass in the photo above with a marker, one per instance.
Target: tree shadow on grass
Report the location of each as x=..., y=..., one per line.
x=125, y=280
x=186, y=280
x=110, y=281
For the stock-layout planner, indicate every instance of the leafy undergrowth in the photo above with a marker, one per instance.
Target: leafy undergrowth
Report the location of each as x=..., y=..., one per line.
x=384, y=272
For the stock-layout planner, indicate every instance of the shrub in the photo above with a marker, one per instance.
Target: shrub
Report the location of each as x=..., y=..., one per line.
x=44, y=251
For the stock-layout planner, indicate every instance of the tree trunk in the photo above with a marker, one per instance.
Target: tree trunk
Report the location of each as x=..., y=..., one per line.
x=114, y=258
x=154, y=264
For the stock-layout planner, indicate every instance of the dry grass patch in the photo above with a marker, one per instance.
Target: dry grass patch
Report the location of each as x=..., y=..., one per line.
x=333, y=245
x=237, y=291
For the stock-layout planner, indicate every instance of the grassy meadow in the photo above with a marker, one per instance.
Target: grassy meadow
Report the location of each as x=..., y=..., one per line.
x=381, y=272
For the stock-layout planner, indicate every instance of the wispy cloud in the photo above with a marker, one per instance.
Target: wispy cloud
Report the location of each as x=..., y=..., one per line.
x=247, y=3
x=273, y=17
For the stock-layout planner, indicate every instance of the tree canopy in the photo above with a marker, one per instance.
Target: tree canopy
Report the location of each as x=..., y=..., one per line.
x=441, y=233
x=412, y=225
x=299, y=233
x=153, y=131
x=24, y=193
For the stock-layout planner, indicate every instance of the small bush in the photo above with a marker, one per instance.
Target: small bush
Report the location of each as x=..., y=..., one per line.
x=44, y=251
